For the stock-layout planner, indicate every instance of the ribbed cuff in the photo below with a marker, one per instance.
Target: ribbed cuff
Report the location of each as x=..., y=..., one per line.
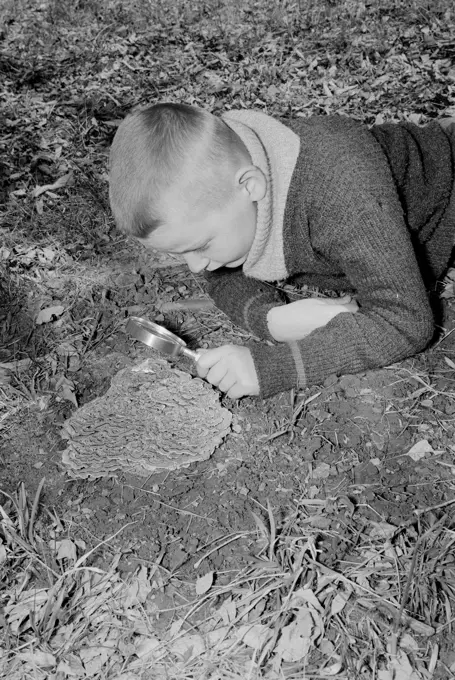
x=255, y=316
x=276, y=368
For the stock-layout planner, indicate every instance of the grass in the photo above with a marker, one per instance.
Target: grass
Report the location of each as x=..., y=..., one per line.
x=283, y=616
x=70, y=71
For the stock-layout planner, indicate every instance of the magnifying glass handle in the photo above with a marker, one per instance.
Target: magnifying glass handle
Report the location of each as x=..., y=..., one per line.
x=191, y=354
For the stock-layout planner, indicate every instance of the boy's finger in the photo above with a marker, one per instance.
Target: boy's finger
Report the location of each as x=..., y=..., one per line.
x=226, y=383
x=209, y=357
x=236, y=392
x=216, y=374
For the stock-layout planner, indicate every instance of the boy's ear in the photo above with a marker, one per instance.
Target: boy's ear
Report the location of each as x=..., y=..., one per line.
x=252, y=180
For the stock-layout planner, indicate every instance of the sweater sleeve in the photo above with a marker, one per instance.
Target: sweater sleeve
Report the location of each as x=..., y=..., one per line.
x=357, y=225
x=246, y=301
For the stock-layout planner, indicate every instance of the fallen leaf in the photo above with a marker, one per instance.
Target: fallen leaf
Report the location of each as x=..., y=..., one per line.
x=66, y=549
x=47, y=314
x=139, y=588
x=339, y=602
x=72, y=666
x=38, y=658
x=94, y=658
x=322, y=471
x=39, y=206
x=204, y=583
x=217, y=636
x=296, y=638
x=228, y=611
x=254, y=636
x=46, y=254
x=188, y=646
x=306, y=595
x=382, y=530
x=332, y=670
x=146, y=647
x=408, y=642
x=400, y=669
x=61, y=182
x=420, y=449
x=67, y=393
x=2, y=553
x=29, y=601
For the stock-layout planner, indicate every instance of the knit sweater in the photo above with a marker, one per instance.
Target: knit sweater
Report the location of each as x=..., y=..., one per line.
x=370, y=211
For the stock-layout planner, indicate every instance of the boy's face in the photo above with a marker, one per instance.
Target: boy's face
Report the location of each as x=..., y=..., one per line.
x=220, y=237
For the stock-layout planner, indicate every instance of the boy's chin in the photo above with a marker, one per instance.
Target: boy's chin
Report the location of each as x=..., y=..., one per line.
x=236, y=263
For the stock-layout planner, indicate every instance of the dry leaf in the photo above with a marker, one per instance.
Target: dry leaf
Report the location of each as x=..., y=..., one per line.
x=38, y=658
x=61, y=182
x=204, y=583
x=67, y=393
x=47, y=314
x=382, y=530
x=146, y=647
x=254, y=636
x=306, y=595
x=39, y=206
x=188, y=646
x=32, y=600
x=2, y=553
x=400, y=669
x=332, y=670
x=339, y=602
x=94, y=658
x=65, y=549
x=72, y=666
x=420, y=449
x=408, y=642
x=296, y=638
x=322, y=471
x=228, y=611
x=139, y=588
x=217, y=636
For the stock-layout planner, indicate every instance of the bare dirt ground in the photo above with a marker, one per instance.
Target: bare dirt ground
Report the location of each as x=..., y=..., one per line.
x=330, y=465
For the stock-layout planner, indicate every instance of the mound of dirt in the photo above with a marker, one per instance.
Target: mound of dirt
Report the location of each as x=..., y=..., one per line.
x=153, y=417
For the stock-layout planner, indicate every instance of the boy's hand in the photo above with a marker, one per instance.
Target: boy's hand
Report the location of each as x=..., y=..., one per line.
x=231, y=369
x=298, y=319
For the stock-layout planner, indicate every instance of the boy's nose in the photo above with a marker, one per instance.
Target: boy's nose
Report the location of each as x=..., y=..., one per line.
x=196, y=262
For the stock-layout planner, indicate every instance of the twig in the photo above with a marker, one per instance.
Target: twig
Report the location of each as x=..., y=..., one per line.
x=404, y=599
x=407, y=587
x=434, y=507
x=92, y=332
x=34, y=510
x=188, y=305
x=221, y=545
x=442, y=338
x=172, y=507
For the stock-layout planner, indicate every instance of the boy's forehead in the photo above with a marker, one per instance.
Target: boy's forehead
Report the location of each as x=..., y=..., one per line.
x=171, y=237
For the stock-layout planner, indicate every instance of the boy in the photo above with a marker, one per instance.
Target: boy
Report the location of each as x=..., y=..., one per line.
x=251, y=200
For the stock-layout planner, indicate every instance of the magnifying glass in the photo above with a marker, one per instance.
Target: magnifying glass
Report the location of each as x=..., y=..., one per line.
x=158, y=337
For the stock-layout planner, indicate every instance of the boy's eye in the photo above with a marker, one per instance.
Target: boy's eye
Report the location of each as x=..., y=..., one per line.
x=203, y=248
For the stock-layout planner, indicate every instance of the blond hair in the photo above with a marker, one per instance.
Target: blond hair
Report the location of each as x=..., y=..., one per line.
x=166, y=147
